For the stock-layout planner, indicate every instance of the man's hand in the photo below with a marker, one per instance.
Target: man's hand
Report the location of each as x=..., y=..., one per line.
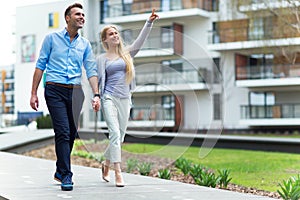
x=96, y=104
x=34, y=102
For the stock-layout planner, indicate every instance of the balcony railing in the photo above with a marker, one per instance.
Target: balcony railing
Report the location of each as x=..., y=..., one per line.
x=169, y=78
x=117, y=10
x=268, y=72
x=235, y=33
x=142, y=114
x=256, y=5
x=147, y=113
x=269, y=112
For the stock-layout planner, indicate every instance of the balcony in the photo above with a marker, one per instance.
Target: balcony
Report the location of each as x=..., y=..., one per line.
x=259, y=76
x=185, y=80
x=113, y=13
x=270, y=115
x=269, y=31
x=151, y=117
x=142, y=117
x=8, y=109
x=268, y=72
x=8, y=87
x=254, y=6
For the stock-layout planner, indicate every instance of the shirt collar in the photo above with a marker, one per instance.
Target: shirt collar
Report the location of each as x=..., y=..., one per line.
x=65, y=33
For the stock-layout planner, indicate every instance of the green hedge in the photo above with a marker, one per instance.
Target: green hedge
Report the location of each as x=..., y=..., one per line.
x=44, y=122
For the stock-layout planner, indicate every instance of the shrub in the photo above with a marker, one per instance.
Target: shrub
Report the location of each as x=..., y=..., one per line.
x=196, y=170
x=184, y=165
x=290, y=189
x=164, y=174
x=208, y=179
x=44, y=122
x=144, y=168
x=224, y=178
x=131, y=165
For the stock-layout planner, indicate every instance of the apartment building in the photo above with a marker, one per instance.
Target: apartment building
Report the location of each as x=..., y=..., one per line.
x=7, y=89
x=260, y=55
x=176, y=89
x=207, y=64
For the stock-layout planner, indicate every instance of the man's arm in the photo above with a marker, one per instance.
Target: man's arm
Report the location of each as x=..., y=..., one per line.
x=34, y=101
x=93, y=80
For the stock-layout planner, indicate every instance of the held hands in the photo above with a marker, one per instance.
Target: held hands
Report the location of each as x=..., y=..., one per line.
x=96, y=104
x=153, y=16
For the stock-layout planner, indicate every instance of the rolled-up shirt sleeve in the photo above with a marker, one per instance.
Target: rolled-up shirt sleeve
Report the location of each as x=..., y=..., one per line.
x=44, y=54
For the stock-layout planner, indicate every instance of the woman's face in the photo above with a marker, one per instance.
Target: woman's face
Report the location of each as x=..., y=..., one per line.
x=112, y=37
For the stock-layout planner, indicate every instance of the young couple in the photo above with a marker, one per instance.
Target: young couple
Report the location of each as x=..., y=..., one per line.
x=62, y=54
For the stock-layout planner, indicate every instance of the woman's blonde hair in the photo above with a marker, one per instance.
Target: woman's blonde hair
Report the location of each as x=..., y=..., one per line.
x=124, y=54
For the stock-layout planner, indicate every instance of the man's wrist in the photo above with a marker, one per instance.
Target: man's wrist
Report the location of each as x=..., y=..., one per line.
x=97, y=95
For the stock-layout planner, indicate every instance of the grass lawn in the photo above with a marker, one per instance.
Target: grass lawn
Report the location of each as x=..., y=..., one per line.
x=257, y=169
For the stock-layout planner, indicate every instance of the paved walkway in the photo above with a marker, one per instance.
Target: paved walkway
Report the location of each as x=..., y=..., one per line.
x=23, y=178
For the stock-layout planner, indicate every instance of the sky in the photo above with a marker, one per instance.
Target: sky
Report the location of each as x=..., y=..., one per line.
x=6, y=38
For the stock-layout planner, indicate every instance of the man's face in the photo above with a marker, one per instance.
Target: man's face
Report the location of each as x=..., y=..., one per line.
x=76, y=19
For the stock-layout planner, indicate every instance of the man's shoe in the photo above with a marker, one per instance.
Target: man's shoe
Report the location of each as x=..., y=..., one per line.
x=57, y=177
x=67, y=184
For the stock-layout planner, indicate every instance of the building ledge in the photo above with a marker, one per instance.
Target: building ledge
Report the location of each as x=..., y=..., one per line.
x=229, y=46
x=268, y=82
x=163, y=15
x=170, y=87
x=271, y=122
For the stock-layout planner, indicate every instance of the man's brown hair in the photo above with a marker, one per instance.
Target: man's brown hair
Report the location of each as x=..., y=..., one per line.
x=75, y=5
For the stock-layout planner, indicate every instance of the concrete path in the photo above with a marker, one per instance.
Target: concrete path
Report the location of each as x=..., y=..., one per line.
x=23, y=178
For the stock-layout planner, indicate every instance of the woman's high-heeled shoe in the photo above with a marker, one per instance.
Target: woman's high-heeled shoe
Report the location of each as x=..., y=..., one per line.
x=105, y=172
x=119, y=179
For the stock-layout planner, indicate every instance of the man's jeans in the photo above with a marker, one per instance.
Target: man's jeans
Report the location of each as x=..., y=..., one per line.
x=64, y=105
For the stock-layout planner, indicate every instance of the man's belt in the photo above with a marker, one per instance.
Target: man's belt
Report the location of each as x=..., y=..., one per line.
x=70, y=86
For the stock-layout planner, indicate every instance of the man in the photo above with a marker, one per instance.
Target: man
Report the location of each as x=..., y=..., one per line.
x=62, y=54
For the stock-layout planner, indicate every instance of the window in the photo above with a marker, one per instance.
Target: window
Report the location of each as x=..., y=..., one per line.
x=127, y=36
x=215, y=33
x=262, y=98
x=217, y=109
x=167, y=36
x=262, y=105
x=216, y=70
x=176, y=4
x=165, y=5
x=168, y=104
x=256, y=30
x=103, y=10
x=261, y=65
x=127, y=7
x=172, y=65
x=268, y=27
x=170, y=70
x=261, y=28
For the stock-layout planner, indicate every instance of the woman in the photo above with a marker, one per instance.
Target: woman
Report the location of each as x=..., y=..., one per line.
x=116, y=80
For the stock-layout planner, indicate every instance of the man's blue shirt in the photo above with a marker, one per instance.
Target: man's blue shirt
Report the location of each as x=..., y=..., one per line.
x=63, y=60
